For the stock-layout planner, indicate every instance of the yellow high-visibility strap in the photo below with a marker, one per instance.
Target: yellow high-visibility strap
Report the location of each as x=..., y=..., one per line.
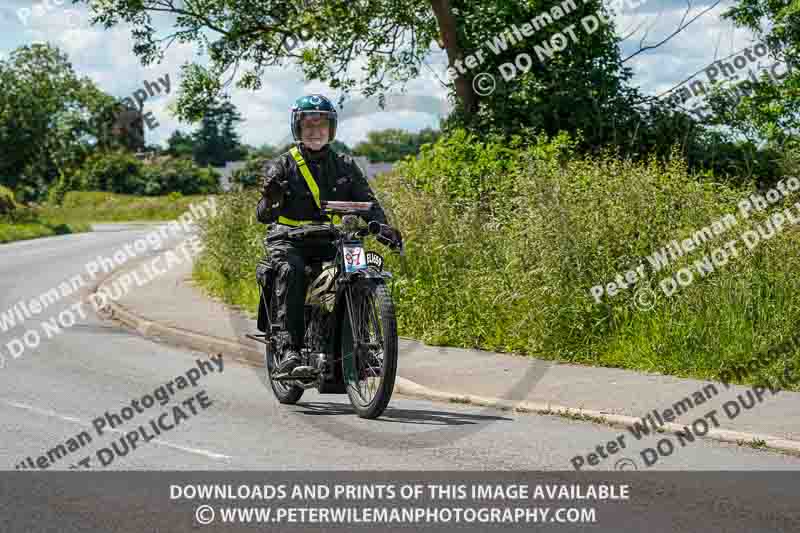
x=312, y=185
x=301, y=164
x=293, y=222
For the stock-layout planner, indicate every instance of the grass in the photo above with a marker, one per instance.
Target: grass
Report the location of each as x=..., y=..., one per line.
x=93, y=206
x=19, y=232
x=28, y=223
x=243, y=294
x=80, y=209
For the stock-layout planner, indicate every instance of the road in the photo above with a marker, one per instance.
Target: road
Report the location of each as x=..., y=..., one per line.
x=55, y=391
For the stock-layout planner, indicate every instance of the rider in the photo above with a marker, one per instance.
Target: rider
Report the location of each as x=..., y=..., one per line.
x=294, y=184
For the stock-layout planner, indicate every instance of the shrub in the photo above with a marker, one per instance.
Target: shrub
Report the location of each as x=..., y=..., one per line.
x=249, y=176
x=233, y=245
x=179, y=175
x=7, y=202
x=117, y=172
x=120, y=172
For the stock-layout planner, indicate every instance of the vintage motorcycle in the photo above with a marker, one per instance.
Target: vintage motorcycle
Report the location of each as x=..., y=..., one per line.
x=350, y=338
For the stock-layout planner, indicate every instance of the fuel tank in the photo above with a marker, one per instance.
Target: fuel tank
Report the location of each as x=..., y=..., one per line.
x=322, y=291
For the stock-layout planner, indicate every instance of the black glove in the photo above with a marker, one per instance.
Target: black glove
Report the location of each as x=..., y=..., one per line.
x=391, y=237
x=274, y=191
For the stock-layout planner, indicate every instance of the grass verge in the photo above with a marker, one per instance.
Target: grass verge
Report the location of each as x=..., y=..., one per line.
x=10, y=232
x=93, y=206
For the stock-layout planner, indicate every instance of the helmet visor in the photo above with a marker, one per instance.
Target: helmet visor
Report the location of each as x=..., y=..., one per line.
x=314, y=119
x=308, y=125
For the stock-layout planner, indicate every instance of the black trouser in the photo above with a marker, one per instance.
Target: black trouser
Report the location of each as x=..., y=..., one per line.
x=289, y=259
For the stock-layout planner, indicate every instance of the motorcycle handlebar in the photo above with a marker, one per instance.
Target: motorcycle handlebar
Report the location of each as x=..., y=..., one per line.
x=373, y=228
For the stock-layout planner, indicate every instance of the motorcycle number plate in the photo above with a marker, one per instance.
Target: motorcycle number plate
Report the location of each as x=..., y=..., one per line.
x=354, y=258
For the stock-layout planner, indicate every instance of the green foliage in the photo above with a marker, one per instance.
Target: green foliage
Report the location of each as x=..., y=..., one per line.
x=250, y=175
x=393, y=144
x=49, y=119
x=116, y=171
x=178, y=175
x=11, y=232
x=28, y=222
x=97, y=206
x=265, y=151
x=233, y=247
x=180, y=144
x=120, y=172
x=582, y=88
x=216, y=142
x=770, y=112
x=569, y=225
x=7, y=202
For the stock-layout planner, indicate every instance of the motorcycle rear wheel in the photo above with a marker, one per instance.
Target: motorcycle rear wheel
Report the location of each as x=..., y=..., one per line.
x=369, y=358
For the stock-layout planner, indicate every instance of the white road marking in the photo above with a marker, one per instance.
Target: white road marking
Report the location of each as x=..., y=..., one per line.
x=53, y=414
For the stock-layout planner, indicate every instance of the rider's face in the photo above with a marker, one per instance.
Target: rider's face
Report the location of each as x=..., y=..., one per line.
x=315, y=131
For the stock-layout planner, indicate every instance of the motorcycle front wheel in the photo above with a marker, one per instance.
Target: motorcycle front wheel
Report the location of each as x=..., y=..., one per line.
x=369, y=348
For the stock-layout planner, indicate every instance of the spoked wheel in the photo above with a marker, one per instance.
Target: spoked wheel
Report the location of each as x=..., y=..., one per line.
x=369, y=349
x=284, y=391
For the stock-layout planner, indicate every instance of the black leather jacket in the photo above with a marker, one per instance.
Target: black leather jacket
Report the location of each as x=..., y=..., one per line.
x=338, y=178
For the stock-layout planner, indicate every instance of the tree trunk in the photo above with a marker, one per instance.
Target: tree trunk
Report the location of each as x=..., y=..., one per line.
x=449, y=33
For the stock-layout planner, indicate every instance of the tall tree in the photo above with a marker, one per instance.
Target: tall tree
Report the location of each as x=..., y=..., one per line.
x=49, y=119
x=216, y=141
x=230, y=139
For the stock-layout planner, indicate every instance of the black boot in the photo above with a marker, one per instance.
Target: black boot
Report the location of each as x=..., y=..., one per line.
x=292, y=366
x=291, y=360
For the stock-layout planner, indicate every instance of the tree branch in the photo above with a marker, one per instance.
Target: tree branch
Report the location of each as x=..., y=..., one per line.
x=681, y=27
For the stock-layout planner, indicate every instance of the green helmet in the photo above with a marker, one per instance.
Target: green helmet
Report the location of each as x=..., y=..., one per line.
x=310, y=104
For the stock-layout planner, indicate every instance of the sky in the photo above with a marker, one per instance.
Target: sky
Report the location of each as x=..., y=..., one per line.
x=107, y=58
